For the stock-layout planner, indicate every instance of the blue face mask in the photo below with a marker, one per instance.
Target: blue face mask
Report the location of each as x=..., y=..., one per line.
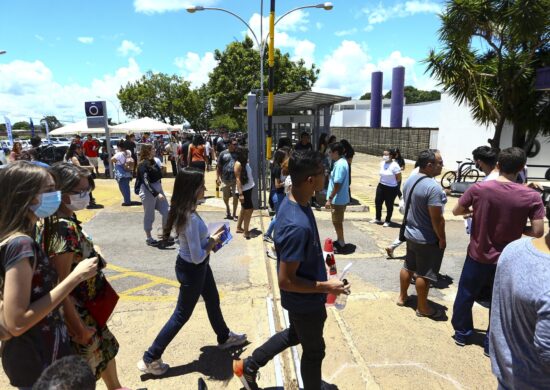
x=47, y=205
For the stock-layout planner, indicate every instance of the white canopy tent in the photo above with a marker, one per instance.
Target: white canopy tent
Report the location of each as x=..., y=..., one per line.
x=82, y=128
x=142, y=125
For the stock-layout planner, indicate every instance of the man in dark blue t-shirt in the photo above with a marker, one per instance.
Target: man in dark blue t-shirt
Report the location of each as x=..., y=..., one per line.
x=302, y=277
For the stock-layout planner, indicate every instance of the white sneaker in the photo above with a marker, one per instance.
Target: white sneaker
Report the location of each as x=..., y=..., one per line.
x=386, y=224
x=234, y=340
x=375, y=221
x=156, y=367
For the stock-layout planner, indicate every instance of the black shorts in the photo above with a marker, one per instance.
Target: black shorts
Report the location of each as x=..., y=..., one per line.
x=247, y=202
x=423, y=259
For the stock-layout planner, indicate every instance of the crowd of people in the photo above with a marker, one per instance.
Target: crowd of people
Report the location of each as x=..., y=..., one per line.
x=52, y=279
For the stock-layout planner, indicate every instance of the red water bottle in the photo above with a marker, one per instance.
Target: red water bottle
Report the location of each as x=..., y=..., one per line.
x=330, y=261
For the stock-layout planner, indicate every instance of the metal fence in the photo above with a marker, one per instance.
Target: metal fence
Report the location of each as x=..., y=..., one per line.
x=410, y=141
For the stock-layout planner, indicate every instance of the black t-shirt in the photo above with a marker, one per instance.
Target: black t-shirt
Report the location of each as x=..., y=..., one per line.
x=276, y=174
x=297, y=240
x=300, y=146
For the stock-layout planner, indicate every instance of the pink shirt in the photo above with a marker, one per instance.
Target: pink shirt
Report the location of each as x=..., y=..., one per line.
x=500, y=213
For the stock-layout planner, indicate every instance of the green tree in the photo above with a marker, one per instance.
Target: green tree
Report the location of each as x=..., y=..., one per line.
x=23, y=125
x=158, y=96
x=365, y=96
x=199, y=109
x=53, y=122
x=413, y=95
x=238, y=72
x=224, y=121
x=490, y=51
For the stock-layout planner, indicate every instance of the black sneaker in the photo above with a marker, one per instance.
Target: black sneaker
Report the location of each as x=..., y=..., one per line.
x=246, y=374
x=94, y=206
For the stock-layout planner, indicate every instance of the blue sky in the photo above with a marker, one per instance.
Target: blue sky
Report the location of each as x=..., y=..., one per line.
x=61, y=53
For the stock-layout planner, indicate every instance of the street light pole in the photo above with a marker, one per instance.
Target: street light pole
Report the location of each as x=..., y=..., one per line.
x=116, y=106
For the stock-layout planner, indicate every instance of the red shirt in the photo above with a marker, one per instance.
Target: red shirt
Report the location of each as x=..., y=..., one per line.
x=500, y=212
x=91, y=148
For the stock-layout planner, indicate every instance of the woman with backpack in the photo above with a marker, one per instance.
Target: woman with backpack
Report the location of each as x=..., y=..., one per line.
x=123, y=167
x=31, y=294
x=245, y=184
x=149, y=188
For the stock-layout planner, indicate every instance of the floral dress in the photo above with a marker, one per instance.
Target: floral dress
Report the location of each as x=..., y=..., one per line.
x=103, y=346
x=25, y=357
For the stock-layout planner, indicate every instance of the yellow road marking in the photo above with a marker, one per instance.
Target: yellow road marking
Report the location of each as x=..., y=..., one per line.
x=153, y=281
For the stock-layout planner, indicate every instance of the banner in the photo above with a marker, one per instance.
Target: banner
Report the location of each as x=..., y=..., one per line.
x=31, y=126
x=47, y=130
x=8, y=129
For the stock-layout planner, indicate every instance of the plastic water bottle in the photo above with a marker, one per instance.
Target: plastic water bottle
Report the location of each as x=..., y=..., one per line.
x=342, y=299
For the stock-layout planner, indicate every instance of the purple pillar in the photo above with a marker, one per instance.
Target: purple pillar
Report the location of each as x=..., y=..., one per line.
x=376, y=100
x=397, y=93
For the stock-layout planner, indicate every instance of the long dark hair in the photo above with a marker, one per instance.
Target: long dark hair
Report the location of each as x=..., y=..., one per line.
x=184, y=199
x=242, y=157
x=71, y=152
x=322, y=141
x=279, y=157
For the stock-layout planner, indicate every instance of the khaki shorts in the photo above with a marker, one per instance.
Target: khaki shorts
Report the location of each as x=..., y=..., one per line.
x=338, y=213
x=228, y=188
x=93, y=161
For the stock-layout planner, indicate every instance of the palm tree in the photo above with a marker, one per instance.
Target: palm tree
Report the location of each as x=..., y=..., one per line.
x=490, y=50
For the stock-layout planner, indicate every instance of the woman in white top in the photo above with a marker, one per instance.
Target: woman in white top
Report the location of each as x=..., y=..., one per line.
x=245, y=184
x=192, y=271
x=388, y=187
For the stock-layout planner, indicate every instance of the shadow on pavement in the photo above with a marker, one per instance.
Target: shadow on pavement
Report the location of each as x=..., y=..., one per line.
x=213, y=363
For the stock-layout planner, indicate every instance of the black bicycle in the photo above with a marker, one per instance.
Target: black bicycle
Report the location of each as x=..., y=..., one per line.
x=466, y=172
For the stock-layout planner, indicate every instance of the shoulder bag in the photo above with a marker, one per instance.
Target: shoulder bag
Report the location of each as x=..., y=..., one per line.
x=404, y=223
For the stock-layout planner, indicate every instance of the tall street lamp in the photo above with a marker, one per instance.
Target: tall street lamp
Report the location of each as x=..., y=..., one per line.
x=116, y=106
x=261, y=43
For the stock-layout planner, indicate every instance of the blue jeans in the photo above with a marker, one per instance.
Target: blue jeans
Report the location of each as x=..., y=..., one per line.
x=277, y=199
x=195, y=280
x=124, y=187
x=475, y=276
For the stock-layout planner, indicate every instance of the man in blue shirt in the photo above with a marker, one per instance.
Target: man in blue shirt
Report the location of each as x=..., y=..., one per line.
x=302, y=278
x=338, y=193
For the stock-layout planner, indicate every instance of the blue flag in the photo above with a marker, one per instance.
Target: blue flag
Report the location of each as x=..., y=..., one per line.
x=32, y=127
x=8, y=129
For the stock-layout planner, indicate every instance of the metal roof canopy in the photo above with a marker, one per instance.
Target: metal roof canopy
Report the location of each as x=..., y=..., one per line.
x=304, y=100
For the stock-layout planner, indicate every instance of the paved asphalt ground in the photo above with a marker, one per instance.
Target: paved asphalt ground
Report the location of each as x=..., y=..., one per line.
x=371, y=344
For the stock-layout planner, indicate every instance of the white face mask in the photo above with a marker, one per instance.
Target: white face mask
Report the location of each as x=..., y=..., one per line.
x=79, y=202
x=386, y=158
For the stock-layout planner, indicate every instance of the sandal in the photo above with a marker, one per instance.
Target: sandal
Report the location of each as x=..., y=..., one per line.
x=405, y=302
x=239, y=231
x=435, y=315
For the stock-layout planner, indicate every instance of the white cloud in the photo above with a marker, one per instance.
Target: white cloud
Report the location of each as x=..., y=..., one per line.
x=381, y=13
x=85, y=40
x=196, y=69
x=295, y=22
x=343, y=33
x=29, y=89
x=39, y=37
x=319, y=25
x=347, y=71
x=160, y=6
x=127, y=48
x=369, y=28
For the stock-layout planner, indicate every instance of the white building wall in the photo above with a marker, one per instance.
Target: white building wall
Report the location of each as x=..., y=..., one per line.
x=459, y=134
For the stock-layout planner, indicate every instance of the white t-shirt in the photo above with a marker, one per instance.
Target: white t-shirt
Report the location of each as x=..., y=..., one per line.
x=388, y=170
x=250, y=183
x=207, y=147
